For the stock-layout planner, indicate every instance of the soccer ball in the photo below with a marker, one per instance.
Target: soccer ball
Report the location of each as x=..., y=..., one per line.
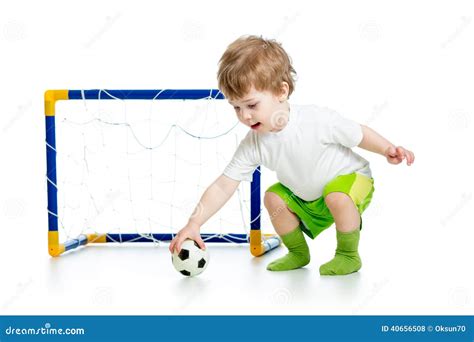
x=191, y=260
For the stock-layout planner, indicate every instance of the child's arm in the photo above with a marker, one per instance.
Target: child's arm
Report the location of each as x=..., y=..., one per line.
x=374, y=142
x=215, y=196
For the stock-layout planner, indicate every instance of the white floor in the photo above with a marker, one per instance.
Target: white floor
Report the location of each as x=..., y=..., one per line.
x=402, y=277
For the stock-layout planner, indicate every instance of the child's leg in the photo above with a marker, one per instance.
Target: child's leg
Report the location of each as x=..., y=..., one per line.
x=286, y=224
x=347, y=219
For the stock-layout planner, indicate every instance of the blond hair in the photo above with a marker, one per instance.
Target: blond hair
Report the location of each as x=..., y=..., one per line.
x=254, y=61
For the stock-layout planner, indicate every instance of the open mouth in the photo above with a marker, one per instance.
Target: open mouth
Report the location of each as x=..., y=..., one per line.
x=256, y=125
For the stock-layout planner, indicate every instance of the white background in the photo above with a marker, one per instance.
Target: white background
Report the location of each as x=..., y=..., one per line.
x=404, y=68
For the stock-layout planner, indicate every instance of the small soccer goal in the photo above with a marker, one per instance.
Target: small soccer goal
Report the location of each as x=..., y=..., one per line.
x=127, y=166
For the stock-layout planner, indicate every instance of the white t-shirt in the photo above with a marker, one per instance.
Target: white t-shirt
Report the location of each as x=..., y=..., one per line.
x=312, y=149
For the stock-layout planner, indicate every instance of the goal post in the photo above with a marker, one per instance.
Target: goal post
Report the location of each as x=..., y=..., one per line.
x=259, y=242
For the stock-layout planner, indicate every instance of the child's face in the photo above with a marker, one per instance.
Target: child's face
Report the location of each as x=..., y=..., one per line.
x=262, y=111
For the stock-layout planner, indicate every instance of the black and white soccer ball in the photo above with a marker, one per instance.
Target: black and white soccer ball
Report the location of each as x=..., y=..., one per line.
x=191, y=260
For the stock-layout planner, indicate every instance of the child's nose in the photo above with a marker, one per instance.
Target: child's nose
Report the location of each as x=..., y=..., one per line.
x=246, y=114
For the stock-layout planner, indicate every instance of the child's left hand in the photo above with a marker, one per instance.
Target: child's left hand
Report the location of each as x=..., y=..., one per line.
x=395, y=155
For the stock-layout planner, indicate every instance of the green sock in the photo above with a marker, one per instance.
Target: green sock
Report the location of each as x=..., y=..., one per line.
x=298, y=255
x=347, y=259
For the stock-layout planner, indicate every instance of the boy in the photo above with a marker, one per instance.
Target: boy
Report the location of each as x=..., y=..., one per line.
x=321, y=180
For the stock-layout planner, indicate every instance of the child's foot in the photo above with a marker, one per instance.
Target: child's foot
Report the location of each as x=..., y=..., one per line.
x=347, y=259
x=341, y=264
x=290, y=261
x=298, y=255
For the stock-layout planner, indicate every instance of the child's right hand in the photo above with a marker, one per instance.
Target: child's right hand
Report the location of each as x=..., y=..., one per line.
x=190, y=231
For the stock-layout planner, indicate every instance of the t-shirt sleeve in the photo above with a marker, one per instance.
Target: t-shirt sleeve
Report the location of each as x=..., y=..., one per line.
x=343, y=131
x=245, y=160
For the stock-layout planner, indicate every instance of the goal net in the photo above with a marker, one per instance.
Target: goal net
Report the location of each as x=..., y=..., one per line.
x=131, y=166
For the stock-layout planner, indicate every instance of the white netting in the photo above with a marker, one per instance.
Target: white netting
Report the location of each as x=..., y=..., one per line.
x=141, y=166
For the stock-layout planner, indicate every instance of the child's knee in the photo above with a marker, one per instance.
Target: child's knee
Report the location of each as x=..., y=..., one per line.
x=338, y=200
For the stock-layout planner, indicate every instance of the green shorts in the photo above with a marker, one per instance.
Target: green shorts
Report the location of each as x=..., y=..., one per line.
x=315, y=215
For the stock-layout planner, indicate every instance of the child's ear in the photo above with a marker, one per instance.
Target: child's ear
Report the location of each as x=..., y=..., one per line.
x=285, y=88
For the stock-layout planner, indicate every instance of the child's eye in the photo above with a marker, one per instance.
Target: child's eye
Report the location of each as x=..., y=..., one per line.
x=252, y=106
x=236, y=108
